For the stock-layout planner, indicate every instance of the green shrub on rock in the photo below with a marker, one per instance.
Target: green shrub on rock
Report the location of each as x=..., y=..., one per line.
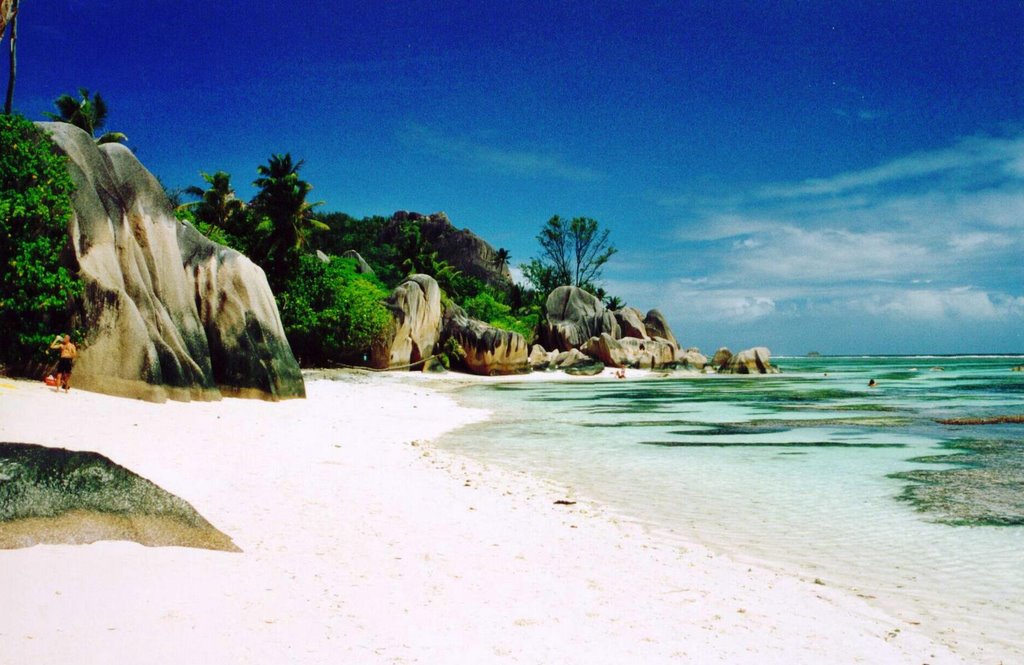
x=36, y=289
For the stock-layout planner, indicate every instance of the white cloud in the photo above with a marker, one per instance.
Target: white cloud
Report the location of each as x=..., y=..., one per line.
x=511, y=162
x=968, y=156
x=962, y=303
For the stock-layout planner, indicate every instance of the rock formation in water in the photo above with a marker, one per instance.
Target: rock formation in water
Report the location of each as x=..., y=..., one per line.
x=168, y=313
x=750, y=361
x=631, y=351
x=487, y=350
x=721, y=358
x=462, y=248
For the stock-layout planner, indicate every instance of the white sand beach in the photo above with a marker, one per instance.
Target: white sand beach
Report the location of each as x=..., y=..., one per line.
x=363, y=544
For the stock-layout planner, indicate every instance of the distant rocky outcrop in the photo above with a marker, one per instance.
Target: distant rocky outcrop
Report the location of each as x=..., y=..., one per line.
x=415, y=329
x=462, y=248
x=750, y=361
x=169, y=313
x=573, y=317
x=692, y=357
x=721, y=358
x=630, y=351
x=487, y=350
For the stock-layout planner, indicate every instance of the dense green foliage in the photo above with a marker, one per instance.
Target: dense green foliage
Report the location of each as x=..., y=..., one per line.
x=486, y=307
x=36, y=290
x=330, y=312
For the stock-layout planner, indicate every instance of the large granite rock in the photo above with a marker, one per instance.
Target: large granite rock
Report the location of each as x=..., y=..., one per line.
x=692, y=357
x=631, y=351
x=576, y=363
x=657, y=326
x=415, y=328
x=631, y=323
x=541, y=359
x=168, y=313
x=721, y=358
x=750, y=361
x=573, y=317
x=488, y=350
x=461, y=248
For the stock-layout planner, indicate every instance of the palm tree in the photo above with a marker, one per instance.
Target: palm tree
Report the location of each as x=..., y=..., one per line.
x=501, y=259
x=88, y=114
x=218, y=205
x=9, y=14
x=287, y=221
x=614, y=303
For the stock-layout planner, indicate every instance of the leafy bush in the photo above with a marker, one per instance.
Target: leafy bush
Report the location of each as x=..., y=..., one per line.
x=36, y=290
x=330, y=312
x=486, y=307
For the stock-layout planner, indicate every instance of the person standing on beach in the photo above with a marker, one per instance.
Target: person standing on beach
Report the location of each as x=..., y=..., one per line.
x=68, y=353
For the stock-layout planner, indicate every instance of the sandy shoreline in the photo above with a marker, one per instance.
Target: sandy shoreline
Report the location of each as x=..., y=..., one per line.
x=364, y=544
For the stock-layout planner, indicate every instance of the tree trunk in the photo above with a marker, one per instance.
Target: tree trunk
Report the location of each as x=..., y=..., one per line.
x=9, y=101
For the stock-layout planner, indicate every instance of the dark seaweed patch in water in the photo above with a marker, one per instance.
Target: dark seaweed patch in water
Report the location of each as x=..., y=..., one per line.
x=37, y=482
x=643, y=423
x=725, y=429
x=767, y=444
x=859, y=407
x=777, y=425
x=998, y=386
x=986, y=488
x=898, y=376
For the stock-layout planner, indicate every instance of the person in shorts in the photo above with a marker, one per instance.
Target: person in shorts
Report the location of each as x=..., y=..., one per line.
x=68, y=352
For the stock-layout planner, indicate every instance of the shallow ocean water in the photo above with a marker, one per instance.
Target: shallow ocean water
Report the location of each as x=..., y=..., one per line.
x=810, y=471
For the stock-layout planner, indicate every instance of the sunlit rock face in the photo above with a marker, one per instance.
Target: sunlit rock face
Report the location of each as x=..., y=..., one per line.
x=487, y=350
x=57, y=496
x=657, y=326
x=573, y=316
x=168, y=313
x=631, y=351
x=415, y=328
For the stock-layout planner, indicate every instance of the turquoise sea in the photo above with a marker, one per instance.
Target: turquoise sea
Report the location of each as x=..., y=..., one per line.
x=810, y=471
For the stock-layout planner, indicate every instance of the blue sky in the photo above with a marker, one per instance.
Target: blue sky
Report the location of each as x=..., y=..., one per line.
x=846, y=177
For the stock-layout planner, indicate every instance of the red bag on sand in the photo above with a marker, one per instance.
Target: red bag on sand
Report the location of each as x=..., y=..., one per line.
x=50, y=380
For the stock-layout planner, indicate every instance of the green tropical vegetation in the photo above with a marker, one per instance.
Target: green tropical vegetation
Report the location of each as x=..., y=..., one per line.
x=331, y=307
x=88, y=113
x=572, y=253
x=37, y=293
x=330, y=311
